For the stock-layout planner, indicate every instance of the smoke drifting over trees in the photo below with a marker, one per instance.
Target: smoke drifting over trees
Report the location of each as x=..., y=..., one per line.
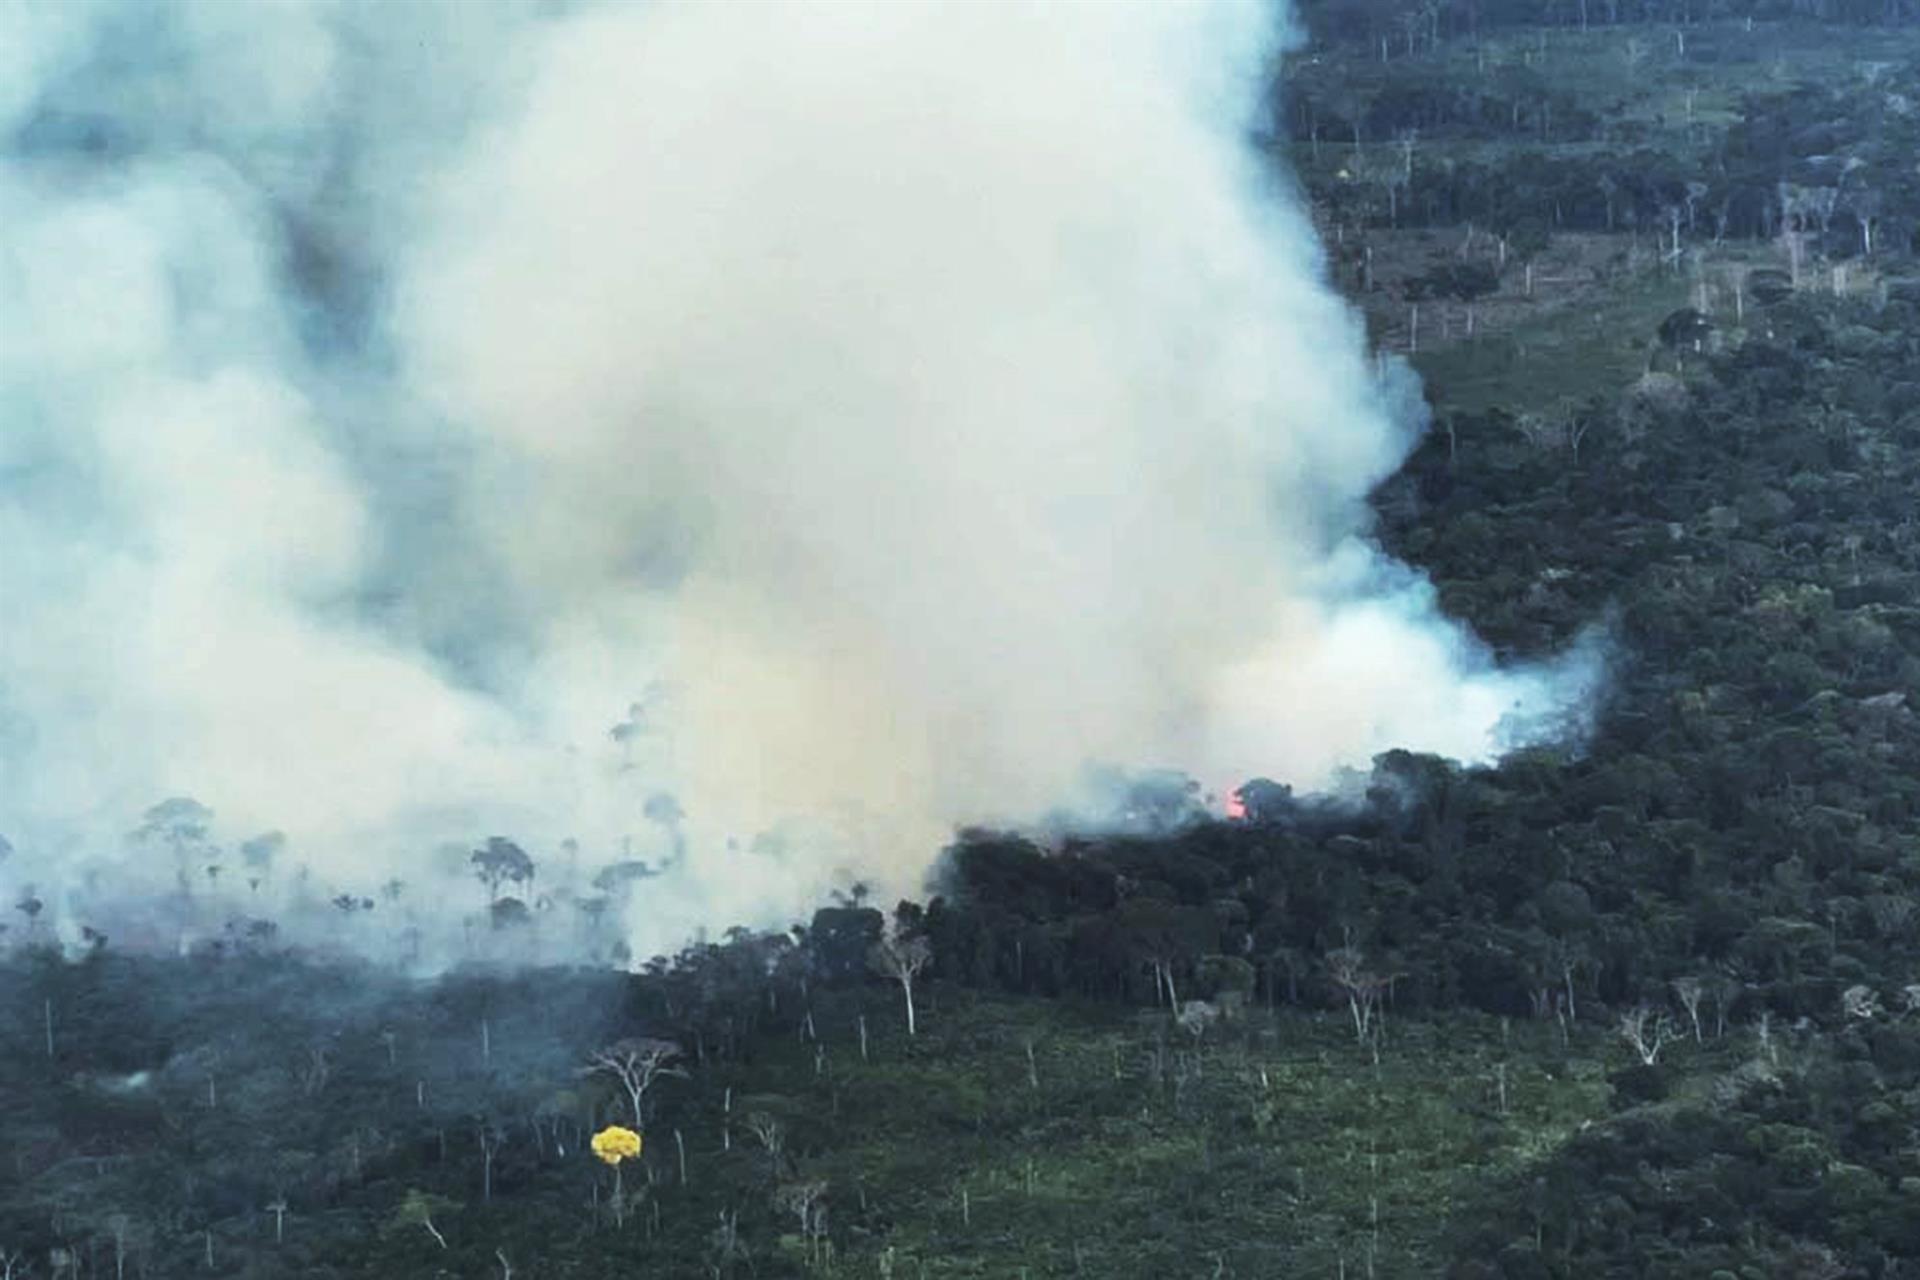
x=747, y=440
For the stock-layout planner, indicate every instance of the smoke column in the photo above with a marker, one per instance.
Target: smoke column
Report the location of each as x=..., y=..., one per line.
x=754, y=438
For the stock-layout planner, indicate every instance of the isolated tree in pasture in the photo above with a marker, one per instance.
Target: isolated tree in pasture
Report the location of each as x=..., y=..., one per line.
x=1197, y=1017
x=1362, y=987
x=638, y=1064
x=901, y=957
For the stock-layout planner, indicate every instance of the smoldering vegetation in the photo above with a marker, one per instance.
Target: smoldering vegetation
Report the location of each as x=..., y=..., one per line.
x=749, y=442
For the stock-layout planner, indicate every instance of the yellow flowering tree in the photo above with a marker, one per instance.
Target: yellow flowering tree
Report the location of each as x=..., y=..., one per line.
x=612, y=1145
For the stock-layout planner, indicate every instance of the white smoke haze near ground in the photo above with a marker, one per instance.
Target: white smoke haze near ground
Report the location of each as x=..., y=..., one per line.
x=907, y=405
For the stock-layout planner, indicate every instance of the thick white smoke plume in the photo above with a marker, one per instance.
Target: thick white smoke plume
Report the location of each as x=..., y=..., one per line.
x=748, y=438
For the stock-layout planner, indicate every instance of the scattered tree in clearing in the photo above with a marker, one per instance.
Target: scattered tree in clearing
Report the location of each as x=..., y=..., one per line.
x=1860, y=1002
x=1646, y=1031
x=417, y=1210
x=901, y=957
x=772, y=1135
x=491, y=1137
x=807, y=1202
x=1360, y=985
x=725, y=1249
x=1691, y=991
x=636, y=1064
x=1196, y=1016
x=612, y=1145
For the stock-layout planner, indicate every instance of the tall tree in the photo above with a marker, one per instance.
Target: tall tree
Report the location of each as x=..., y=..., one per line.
x=500, y=862
x=638, y=1064
x=901, y=957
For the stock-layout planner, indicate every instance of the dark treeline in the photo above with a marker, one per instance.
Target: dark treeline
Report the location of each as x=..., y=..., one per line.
x=1399, y=28
x=1749, y=809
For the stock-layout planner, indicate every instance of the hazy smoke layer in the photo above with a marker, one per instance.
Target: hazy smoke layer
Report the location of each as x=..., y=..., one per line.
x=828, y=422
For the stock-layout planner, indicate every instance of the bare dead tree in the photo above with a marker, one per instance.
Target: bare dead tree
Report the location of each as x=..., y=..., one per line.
x=725, y=1248
x=771, y=1134
x=1892, y=913
x=314, y=1070
x=637, y=1064
x=1860, y=1001
x=806, y=1200
x=1196, y=1017
x=1359, y=984
x=418, y=1208
x=121, y=1226
x=1691, y=991
x=491, y=1136
x=1646, y=1031
x=901, y=957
